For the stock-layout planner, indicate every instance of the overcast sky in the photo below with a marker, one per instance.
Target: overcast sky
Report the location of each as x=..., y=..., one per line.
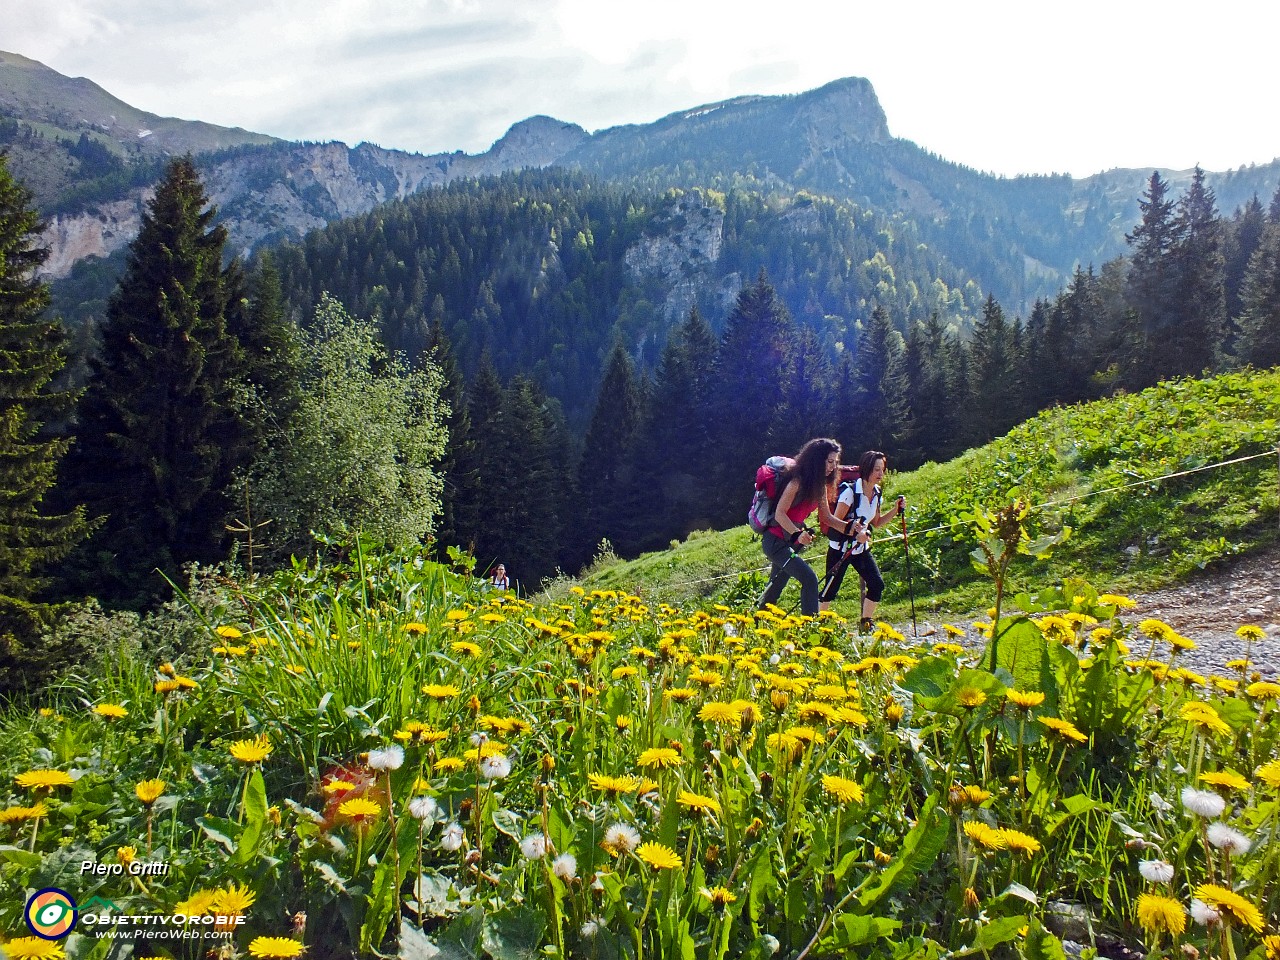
x=1008, y=86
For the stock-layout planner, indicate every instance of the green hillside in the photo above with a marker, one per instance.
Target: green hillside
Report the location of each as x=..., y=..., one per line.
x=1084, y=467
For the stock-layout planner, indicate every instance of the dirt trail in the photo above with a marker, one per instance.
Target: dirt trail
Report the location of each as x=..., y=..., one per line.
x=1209, y=607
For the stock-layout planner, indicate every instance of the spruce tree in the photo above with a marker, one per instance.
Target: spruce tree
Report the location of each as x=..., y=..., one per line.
x=32, y=539
x=879, y=386
x=1194, y=341
x=162, y=429
x=992, y=364
x=607, y=448
x=675, y=435
x=1152, y=288
x=929, y=423
x=752, y=367
x=1259, y=342
x=462, y=502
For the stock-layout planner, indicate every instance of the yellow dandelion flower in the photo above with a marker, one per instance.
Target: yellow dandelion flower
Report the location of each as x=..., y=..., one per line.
x=1157, y=913
x=659, y=856
x=974, y=795
x=199, y=904
x=1229, y=902
x=1272, y=946
x=234, y=900
x=167, y=686
x=1225, y=780
x=659, y=757
x=1116, y=600
x=449, y=765
x=714, y=712
x=1020, y=842
x=21, y=814
x=1063, y=728
x=945, y=649
x=440, y=691
x=33, y=948
x=415, y=628
x=465, y=646
x=624, y=672
x=1263, y=690
x=1250, y=631
x=815, y=711
x=251, y=751
x=785, y=743
x=719, y=896
x=229, y=633
x=970, y=697
x=985, y=836
x=44, y=779
x=360, y=809
x=112, y=711
x=607, y=784
x=706, y=678
x=275, y=948
x=1205, y=717
x=697, y=802
x=1269, y=773
x=894, y=712
x=149, y=791
x=492, y=618
x=126, y=855
x=1025, y=699
x=1155, y=629
x=842, y=788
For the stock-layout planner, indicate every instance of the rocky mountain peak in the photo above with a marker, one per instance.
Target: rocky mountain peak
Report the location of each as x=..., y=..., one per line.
x=842, y=112
x=537, y=142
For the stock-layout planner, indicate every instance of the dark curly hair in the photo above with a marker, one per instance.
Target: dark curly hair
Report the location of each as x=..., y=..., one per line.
x=810, y=469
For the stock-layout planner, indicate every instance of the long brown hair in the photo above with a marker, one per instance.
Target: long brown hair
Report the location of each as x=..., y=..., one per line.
x=810, y=469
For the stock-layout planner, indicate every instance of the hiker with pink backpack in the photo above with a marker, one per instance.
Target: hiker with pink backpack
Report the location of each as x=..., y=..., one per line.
x=860, y=498
x=787, y=491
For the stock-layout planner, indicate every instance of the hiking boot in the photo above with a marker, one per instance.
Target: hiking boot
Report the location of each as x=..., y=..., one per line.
x=866, y=625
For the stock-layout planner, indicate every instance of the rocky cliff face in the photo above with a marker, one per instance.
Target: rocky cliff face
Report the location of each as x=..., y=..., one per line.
x=280, y=192
x=679, y=252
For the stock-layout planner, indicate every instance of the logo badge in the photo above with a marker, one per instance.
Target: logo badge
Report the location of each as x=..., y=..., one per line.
x=51, y=913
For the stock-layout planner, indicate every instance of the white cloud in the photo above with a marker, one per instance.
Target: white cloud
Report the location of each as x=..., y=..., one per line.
x=999, y=85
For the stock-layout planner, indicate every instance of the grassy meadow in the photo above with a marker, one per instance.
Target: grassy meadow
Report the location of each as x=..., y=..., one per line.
x=372, y=756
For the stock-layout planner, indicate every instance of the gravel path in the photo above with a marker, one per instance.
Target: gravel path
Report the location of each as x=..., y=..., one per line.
x=1207, y=609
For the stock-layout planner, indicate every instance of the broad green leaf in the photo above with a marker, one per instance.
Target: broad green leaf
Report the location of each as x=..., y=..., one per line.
x=220, y=830
x=513, y=933
x=850, y=930
x=508, y=823
x=255, y=817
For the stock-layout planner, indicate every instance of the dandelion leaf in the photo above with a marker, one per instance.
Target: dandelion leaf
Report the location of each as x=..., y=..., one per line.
x=513, y=933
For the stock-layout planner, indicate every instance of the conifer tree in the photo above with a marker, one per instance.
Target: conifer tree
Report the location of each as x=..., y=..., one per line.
x=992, y=391
x=1152, y=289
x=879, y=386
x=161, y=430
x=675, y=434
x=462, y=501
x=32, y=539
x=929, y=423
x=1241, y=237
x=603, y=472
x=1259, y=342
x=752, y=367
x=1194, y=341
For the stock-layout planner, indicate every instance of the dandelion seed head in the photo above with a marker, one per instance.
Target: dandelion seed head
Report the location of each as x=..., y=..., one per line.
x=1202, y=803
x=1156, y=871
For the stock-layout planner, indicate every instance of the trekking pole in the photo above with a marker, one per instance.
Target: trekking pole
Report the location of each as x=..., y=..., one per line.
x=906, y=549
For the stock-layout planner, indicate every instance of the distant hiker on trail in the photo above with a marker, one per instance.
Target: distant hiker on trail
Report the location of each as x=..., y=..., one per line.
x=860, y=500
x=500, y=579
x=804, y=484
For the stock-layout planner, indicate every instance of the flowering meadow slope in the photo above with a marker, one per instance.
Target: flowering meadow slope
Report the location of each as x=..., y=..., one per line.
x=373, y=758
